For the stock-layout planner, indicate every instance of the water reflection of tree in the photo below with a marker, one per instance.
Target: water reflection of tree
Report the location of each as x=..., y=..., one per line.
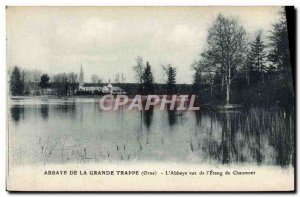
x=281, y=136
x=233, y=142
x=274, y=128
x=67, y=108
x=248, y=145
x=198, y=115
x=254, y=135
x=148, y=117
x=140, y=127
x=229, y=152
x=258, y=152
x=17, y=112
x=45, y=111
x=172, y=117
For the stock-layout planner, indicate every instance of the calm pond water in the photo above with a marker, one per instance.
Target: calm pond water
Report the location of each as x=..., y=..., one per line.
x=50, y=130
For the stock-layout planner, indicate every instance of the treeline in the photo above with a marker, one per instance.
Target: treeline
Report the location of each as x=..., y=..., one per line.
x=232, y=69
x=25, y=82
x=34, y=82
x=158, y=88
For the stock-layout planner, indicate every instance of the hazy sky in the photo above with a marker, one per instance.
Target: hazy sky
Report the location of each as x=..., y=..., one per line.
x=107, y=40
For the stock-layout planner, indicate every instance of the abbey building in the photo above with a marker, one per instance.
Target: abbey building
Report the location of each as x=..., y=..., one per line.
x=97, y=87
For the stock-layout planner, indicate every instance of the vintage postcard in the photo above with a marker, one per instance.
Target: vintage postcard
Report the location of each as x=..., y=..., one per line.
x=149, y=99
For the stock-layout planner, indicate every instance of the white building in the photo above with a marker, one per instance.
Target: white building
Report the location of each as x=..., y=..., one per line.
x=95, y=87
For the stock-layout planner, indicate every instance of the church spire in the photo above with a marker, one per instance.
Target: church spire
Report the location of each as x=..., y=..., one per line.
x=81, y=77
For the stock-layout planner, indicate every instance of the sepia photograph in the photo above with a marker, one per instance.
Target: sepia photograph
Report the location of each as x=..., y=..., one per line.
x=150, y=98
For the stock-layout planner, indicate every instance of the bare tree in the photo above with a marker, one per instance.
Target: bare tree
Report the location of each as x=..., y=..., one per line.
x=73, y=80
x=31, y=79
x=35, y=75
x=117, y=78
x=123, y=78
x=95, y=79
x=226, y=48
x=60, y=84
x=139, y=68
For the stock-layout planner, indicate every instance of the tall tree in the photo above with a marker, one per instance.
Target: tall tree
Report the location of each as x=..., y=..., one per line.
x=73, y=81
x=205, y=71
x=44, y=83
x=170, y=72
x=16, y=82
x=256, y=59
x=60, y=84
x=197, y=79
x=226, y=46
x=279, y=54
x=147, y=80
x=138, y=69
